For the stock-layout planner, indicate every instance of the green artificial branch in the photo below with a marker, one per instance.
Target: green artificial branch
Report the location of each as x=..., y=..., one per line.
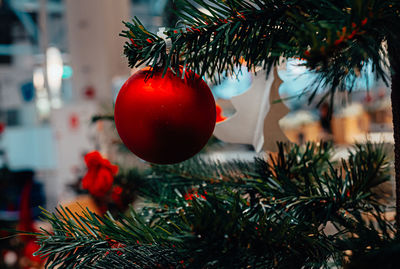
x=262, y=214
x=82, y=240
x=337, y=38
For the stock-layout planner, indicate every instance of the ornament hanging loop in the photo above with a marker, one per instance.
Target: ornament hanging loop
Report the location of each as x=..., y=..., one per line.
x=167, y=40
x=168, y=45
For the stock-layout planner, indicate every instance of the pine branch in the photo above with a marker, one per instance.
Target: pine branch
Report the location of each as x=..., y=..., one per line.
x=206, y=234
x=139, y=257
x=339, y=39
x=163, y=183
x=273, y=216
x=309, y=189
x=225, y=233
x=297, y=180
x=211, y=43
x=167, y=184
x=79, y=241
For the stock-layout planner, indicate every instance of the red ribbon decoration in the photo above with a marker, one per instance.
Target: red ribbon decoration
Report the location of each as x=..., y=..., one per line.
x=100, y=174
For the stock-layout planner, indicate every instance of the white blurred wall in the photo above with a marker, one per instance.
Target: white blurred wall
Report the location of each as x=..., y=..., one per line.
x=96, y=49
x=96, y=56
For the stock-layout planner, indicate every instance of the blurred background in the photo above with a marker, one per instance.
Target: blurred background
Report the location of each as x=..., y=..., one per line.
x=61, y=63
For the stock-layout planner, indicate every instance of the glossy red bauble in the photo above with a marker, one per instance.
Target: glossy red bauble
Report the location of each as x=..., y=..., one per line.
x=165, y=119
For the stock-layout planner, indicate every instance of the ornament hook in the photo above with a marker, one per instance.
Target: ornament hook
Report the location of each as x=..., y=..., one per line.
x=167, y=39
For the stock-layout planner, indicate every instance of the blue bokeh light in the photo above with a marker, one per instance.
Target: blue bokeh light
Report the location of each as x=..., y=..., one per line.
x=233, y=86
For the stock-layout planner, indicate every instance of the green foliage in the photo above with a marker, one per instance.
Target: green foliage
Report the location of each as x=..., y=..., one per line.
x=261, y=214
x=83, y=240
x=338, y=38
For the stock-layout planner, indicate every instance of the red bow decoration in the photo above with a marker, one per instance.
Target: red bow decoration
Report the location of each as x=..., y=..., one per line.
x=100, y=174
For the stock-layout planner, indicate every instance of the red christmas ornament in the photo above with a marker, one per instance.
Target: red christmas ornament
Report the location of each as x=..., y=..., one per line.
x=165, y=119
x=100, y=174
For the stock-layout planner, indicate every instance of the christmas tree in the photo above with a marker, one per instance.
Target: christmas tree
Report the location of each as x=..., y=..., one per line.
x=299, y=208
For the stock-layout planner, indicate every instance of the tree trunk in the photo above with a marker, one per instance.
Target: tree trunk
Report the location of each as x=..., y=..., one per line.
x=395, y=98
